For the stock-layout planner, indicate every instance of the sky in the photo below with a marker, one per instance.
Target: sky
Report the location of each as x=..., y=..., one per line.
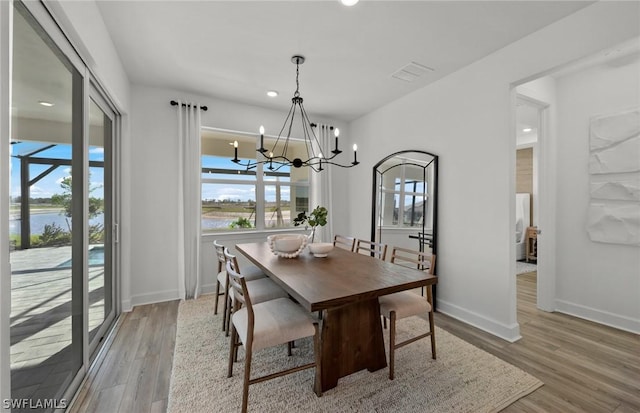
x=50, y=184
x=239, y=191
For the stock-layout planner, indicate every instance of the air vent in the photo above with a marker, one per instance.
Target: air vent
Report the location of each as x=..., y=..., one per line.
x=411, y=72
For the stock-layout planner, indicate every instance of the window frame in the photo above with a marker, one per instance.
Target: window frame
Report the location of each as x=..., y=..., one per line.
x=402, y=193
x=259, y=184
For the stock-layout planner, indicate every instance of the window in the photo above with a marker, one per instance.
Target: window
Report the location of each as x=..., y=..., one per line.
x=404, y=196
x=234, y=199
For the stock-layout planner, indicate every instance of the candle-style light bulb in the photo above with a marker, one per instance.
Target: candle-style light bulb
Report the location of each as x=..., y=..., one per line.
x=262, y=149
x=355, y=155
x=320, y=157
x=235, y=151
x=271, y=161
x=336, y=132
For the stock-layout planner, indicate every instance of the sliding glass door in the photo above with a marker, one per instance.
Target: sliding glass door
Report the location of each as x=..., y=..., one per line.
x=61, y=219
x=100, y=213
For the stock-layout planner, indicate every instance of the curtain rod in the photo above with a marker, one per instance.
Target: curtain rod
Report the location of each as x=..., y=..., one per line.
x=174, y=103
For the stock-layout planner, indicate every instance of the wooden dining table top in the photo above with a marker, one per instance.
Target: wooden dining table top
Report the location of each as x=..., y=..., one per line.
x=341, y=278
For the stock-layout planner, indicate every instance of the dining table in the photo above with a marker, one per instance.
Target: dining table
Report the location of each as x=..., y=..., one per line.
x=344, y=288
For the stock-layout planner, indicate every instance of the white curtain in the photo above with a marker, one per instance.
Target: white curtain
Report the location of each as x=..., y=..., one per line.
x=189, y=202
x=321, y=184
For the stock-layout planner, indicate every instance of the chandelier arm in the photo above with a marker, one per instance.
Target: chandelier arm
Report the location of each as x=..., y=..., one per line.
x=306, y=121
x=284, y=125
x=307, y=140
x=293, y=115
x=351, y=165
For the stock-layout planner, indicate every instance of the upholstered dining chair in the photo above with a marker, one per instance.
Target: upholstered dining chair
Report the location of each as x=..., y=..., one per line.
x=346, y=243
x=375, y=249
x=261, y=289
x=250, y=272
x=405, y=303
x=256, y=326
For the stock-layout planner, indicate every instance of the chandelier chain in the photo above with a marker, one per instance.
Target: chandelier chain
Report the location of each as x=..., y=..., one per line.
x=297, y=92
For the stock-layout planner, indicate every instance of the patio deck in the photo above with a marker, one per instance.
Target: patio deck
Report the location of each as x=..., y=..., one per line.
x=42, y=363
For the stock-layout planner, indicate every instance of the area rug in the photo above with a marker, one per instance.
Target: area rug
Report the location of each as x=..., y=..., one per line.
x=462, y=379
x=525, y=267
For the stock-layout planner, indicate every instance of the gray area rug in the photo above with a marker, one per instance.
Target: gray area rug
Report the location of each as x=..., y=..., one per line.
x=525, y=267
x=462, y=379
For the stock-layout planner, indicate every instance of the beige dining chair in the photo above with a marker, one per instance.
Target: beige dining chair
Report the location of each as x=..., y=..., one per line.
x=405, y=303
x=346, y=243
x=261, y=289
x=374, y=249
x=256, y=326
x=252, y=273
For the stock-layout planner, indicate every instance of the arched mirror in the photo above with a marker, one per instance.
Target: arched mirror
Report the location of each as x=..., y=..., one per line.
x=405, y=201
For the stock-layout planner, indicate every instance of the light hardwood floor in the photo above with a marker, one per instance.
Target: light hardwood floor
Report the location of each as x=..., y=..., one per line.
x=585, y=367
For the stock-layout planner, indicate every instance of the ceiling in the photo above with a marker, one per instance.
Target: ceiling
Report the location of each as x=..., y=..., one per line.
x=238, y=50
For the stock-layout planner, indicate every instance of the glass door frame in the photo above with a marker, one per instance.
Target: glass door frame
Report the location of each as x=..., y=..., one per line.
x=91, y=89
x=98, y=98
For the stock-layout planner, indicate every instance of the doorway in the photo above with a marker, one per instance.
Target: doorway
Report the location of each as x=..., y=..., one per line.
x=528, y=133
x=61, y=192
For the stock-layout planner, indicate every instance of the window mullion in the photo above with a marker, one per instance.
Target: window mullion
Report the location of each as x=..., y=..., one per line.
x=260, y=195
x=401, y=203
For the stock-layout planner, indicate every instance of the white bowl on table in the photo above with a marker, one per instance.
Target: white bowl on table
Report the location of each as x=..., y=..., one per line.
x=320, y=249
x=287, y=245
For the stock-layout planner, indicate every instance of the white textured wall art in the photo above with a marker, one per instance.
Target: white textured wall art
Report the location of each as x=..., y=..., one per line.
x=614, y=167
x=616, y=224
x=621, y=190
x=607, y=130
x=620, y=158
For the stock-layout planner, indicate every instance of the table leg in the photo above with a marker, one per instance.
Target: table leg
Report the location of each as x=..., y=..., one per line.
x=351, y=341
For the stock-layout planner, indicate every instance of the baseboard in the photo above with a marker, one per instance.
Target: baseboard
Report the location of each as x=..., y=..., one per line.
x=599, y=316
x=161, y=296
x=208, y=288
x=510, y=333
x=155, y=297
x=126, y=306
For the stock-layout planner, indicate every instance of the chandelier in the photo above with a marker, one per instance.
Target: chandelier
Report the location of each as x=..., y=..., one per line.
x=277, y=157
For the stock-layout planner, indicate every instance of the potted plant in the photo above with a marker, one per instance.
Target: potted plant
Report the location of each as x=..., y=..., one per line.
x=317, y=217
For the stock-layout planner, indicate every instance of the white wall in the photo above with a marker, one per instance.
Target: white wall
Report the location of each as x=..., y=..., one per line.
x=465, y=118
x=594, y=280
x=154, y=205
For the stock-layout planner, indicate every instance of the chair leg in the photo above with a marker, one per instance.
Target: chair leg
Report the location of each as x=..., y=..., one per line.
x=392, y=344
x=433, y=335
x=226, y=306
x=247, y=377
x=232, y=351
x=227, y=316
x=384, y=322
x=289, y=345
x=215, y=306
x=318, y=356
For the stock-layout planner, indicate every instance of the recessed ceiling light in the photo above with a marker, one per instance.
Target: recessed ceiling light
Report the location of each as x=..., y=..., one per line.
x=527, y=130
x=272, y=93
x=45, y=103
x=349, y=2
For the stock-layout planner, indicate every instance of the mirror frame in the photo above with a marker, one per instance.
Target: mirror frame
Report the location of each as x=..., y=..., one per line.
x=374, y=196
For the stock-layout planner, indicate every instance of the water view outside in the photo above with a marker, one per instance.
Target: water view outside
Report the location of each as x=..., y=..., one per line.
x=41, y=218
